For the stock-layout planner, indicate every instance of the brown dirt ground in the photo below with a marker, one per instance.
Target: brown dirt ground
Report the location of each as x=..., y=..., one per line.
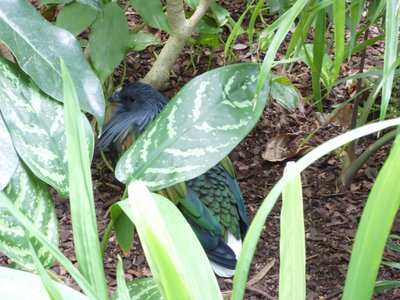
x=331, y=211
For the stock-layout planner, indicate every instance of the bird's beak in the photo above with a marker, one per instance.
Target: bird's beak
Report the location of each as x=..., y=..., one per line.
x=115, y=96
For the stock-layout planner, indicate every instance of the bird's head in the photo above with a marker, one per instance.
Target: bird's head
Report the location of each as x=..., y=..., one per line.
x=136, y=105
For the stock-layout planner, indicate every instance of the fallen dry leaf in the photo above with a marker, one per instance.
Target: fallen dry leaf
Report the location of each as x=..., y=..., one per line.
x=284, y=146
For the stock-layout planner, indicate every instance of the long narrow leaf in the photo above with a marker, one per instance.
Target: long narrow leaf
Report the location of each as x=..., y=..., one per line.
x=292, y=272
x=83, y=215
x=376, y=221
x=252, y=236
x=67, y=264
x=339, y=14
x=391, y=42
x=288, y=19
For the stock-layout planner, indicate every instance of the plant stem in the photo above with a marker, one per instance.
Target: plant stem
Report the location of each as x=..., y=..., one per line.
x=106, y=236
x=352, y=145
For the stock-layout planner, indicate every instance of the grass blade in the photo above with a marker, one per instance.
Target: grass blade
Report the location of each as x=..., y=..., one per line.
x=254, y=232
x=83, y=215
x=376, y=221
x=292, y=272
x=391, y=41
x=339, y=15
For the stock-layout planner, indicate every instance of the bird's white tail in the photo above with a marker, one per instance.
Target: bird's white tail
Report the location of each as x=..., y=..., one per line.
x=236, y=246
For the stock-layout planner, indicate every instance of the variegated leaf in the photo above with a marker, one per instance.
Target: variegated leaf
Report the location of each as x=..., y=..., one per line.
x=200, y=125
x=8, y=156
x=32, y=197
x=38, y=46
x=36, y=125
x=142, y=289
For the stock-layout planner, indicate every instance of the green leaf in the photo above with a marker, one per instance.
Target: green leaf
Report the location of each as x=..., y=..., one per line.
x=152, y=13
x=17, y=284
x=36, y=125
x=221, y=14
x=292, y=272
x=284, y=92
x=140, y=41
x=372, y=233
x=96, y=4
x=122, y=289
x=84, y=225
x=207, y=25
x=32, y=198
x=391, y=37
x=8, y=156
x=189, y=136
x=38, y=46
x=176, y=258
x=124, y=228
x=256, y=226
x=383, y=285
x=339, y=14
x=45, y=2
x=288, y=19
x=108, y=40
x=142, y=289
x=76, y=17
x=35, y=232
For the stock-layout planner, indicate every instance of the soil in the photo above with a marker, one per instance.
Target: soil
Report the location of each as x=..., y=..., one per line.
x=331, y=211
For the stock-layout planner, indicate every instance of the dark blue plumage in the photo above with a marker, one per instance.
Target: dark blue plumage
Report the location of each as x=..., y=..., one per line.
x=212, y=202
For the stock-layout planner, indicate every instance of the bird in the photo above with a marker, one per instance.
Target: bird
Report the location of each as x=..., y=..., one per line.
x=212, y=203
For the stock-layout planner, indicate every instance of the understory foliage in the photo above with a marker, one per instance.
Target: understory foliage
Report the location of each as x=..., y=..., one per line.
x=52, y=77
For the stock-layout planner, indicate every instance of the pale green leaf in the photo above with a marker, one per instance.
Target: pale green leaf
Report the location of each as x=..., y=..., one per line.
x=142, y=289
x=83, y=215
x=108, y=40
x=254, y=232
x=139, y=41
x=190, y=134
x=284, y=92
x=20, y=285
x=292, y=248
x=8, y=156
x=372, y=233
x=38, y=46
x=152, y=13
x=122, y=289
x=383, y=285
x=176, y=258
x=36, y=124
x=76, y=17
x=32, y=198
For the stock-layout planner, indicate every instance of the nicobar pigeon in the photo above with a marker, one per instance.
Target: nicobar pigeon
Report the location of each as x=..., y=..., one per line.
x=212, y=203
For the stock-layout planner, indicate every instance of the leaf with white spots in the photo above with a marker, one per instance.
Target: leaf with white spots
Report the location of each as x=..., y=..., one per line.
x=198, y=128
x=36, y=125
x=38, y=46
x=8, y=156
x=31, y=197
x=142, y=289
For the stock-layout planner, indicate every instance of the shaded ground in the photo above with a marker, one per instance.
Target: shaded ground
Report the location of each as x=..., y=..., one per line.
x=331, y=211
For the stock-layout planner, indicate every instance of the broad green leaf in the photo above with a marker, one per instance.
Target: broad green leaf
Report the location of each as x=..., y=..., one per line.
x=221, y=14
x=124, y=228
x=33, y=199
x=38, y=46
x=391, y=42
x=284, y=92
x=207, y=25
x=83, y=215
x=142, y=289
x=96, y=4
x=383, y=285
x=152, y=13
x=8, y=156
x=108, y=40
x=199, y=126
x=176, y=258
x=18, y=285
x=292, y=272
x=372, y=233
x=45, y=2
x=139, y=41
x=256, y=226
x=53, y=249
x=36, y=125
x=76, y=17
x=122, y=289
